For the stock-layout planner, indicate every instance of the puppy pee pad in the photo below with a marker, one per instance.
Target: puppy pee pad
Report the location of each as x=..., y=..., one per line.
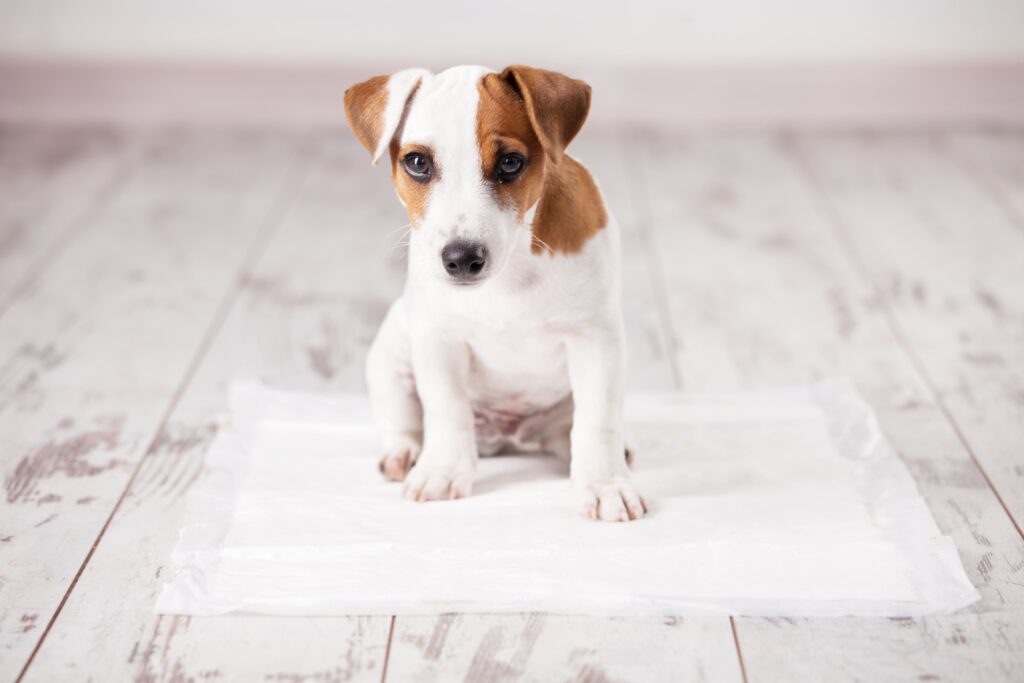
x=787, y=503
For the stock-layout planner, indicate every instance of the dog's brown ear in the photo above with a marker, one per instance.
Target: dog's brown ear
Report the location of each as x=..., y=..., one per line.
x=557, y=105
x=376, y=108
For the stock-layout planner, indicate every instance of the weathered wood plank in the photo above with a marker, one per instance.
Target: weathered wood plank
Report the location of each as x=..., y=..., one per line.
x=535, y=647
x=546, y=648
x=948, y=263
x=306, y=312
x=91, y=356
x=995, y=160
x=51, y=181
x=761, y=294
x=233, y=648
x=957, y=648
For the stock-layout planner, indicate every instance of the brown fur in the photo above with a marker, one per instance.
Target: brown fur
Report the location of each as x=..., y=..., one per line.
x=556, y=105
x=414, y=195
x=571, y=211
x=512, y=105
x=364, y=109
x=503, y=126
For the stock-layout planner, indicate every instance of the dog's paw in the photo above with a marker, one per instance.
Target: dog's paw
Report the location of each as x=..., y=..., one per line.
x=427, y=481
x=401, y=450
x=611, y=500
x=396, y=463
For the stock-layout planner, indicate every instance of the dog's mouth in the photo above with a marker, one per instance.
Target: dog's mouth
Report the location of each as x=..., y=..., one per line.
x=468, y=283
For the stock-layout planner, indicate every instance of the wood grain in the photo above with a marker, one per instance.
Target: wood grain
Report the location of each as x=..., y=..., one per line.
x=92, y=355
x=52, y=180
x=994, y=159
x=535, y=647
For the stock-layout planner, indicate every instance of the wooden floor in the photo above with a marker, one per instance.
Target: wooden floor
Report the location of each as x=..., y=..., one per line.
x=142, y=270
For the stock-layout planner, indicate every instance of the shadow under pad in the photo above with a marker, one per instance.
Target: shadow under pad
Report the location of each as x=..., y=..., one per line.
x=782, y=503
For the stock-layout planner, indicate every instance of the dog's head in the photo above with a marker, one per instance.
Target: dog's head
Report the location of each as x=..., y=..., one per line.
x=477, y=160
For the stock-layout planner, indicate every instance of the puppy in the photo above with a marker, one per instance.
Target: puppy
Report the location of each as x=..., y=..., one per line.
x=509, y=333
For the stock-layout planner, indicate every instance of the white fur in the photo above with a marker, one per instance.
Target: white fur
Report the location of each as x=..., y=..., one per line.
x=532, y=357
x=399, y=87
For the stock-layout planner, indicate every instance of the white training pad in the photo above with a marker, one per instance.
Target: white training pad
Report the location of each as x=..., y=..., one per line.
x=780, y=503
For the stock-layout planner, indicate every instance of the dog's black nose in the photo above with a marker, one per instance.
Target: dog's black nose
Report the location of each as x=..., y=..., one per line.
x=464, y=260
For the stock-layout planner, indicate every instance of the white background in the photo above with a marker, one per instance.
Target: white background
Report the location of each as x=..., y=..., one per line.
x=638, y=32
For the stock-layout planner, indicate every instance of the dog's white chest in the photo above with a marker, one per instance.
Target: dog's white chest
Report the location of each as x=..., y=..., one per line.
x=513, y=378
x=533, y=370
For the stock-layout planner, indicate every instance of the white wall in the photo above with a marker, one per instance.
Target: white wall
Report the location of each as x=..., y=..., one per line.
x=438, y=32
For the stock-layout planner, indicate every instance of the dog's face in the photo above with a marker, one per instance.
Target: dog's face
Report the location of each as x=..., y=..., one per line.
x=470, y=153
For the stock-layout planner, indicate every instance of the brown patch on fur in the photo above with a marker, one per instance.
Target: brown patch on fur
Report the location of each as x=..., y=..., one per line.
x=537, y=113
x=395, y=467
x=414, y=194
x=503, y=126
x=556, y=105
x=364, y=110
x=571, y=211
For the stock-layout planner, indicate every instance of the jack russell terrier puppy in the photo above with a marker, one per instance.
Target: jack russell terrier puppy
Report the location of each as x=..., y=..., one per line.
x=509, y=333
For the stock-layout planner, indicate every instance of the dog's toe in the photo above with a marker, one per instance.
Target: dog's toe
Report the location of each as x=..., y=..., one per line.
x=432, y=483
x=614, y=500
x=395, y=464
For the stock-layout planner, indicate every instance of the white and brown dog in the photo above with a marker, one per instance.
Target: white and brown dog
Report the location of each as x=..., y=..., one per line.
x=509, y=333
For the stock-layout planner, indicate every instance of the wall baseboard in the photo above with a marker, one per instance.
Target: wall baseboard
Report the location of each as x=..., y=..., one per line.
x=685, y=98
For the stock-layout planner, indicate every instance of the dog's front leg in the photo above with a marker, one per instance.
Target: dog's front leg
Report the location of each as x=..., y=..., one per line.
x=448, y=460
x=598, y=470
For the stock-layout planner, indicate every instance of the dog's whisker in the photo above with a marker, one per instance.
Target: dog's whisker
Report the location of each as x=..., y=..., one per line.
x=400, y=227
x=402, y=241
x=537, y=240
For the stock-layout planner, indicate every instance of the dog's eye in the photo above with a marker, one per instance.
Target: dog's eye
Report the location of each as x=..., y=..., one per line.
x=509, y=167
x=418, y=166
